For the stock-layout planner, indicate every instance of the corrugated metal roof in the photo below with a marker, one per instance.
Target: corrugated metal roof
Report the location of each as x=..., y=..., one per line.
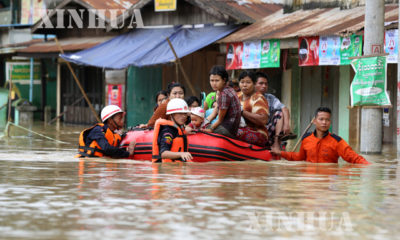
x=68, y=45
x=243, y=11
x=111, y=4
x=22, y=44
x=122, y=5
x=315, y=22
x=13, y=47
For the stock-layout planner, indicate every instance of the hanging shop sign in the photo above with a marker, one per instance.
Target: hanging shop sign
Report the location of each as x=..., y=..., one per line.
x=270, y=53
x=253, y=54
x=308, y=51
x=329, y=50
x=369, y=84
x=350, y=47
x=164, y=5
x=234, y=54
x=391, y=45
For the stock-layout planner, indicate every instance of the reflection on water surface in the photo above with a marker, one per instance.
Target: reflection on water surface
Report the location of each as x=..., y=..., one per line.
x=46, y=193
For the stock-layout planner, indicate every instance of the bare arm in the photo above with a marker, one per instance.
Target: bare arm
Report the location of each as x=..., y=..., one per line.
x=286, y=120
x=221, y=116
x=257, y=119
x=185, y=156
x=213, y=115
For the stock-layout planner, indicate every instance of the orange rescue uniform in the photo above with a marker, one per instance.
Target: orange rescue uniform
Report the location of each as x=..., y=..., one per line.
x=325, y=150
x=94, y=150
x=179, y=143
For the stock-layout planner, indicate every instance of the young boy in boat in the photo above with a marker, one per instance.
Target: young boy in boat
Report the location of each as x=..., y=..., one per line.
x=229, y=111
x=169, y=140
x=321, y=146
x=102, y=140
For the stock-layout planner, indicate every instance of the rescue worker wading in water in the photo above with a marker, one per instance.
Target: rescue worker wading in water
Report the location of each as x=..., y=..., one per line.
x=321, y=146
x=169, y=140
x=101, y=140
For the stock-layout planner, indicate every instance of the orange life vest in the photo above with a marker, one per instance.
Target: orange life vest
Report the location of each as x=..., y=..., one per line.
x=179, y=143
x=94, y=150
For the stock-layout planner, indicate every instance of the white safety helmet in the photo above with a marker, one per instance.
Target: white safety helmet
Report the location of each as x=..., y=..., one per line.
x=177, y=105
x=198, y=111
x=109, y=111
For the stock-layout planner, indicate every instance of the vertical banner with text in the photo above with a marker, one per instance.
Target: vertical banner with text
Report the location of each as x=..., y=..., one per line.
x=369, y=84
x=329, y=50
x=270, y=53
x=391, y=45
x=350, y=47
x=308, y=51
x=234, y=53
x=251, y=54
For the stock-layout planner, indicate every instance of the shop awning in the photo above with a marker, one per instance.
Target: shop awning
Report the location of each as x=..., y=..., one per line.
x=145, y=47
x=51, y=49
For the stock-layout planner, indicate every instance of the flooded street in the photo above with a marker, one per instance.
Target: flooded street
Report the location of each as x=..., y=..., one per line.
x=46, y=193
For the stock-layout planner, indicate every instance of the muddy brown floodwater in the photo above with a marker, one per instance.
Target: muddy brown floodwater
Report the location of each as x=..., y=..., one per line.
x=46, y=193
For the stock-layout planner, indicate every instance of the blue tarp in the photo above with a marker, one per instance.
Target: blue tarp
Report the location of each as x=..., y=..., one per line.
x=146, y=47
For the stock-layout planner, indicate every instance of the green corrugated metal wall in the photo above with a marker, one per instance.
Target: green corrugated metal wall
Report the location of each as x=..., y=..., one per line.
x=141, y=87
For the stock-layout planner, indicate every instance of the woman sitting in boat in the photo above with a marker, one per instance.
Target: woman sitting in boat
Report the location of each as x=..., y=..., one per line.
x=174, y=90
x=169, y=139
x=228, y=104
x=254, y=111
x=161, y=96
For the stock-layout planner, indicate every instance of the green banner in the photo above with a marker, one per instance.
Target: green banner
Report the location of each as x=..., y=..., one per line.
x=369, y=83
x=350, y=47
x=270, y=53
x=23, y=71
x=20, y=72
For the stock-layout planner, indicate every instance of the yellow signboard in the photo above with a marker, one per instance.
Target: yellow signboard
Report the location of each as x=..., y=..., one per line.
x=164, y=5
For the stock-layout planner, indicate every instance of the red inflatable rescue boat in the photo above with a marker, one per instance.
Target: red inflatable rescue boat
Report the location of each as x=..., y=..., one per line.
x=204, y=147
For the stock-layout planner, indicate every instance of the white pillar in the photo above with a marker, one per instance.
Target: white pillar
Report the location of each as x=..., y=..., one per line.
x=31, y=82
x=58, y=111
x=371, y=118
x=398, y=96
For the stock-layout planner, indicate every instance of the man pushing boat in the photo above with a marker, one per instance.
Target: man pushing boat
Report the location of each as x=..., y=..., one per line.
x=103, y=139
x=321, y=146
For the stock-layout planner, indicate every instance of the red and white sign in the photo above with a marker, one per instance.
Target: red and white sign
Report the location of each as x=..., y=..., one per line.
x=234, y=53
x=308, y=51
x=376, y=49
x=114, y=95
